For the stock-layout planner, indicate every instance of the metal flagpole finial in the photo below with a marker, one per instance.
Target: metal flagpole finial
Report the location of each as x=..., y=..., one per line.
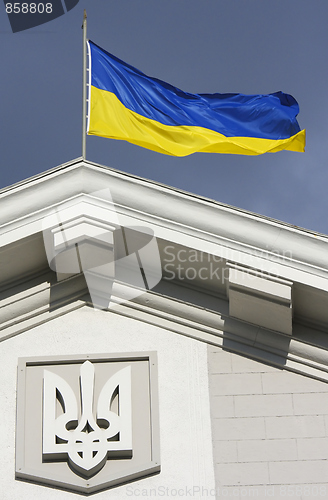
x=84, y=90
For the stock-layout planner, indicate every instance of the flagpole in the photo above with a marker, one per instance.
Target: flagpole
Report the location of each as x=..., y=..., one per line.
x=84, y=91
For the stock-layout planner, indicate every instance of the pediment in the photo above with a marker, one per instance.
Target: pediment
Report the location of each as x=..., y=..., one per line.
x=206, y=249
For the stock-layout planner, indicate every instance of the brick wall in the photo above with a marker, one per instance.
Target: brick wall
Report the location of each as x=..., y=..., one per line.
x=270, y=430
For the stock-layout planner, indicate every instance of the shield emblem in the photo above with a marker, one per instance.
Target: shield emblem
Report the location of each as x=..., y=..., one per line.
x=87, y=423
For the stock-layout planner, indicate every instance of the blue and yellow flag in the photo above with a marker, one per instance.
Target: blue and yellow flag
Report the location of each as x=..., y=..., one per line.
x=126, y=104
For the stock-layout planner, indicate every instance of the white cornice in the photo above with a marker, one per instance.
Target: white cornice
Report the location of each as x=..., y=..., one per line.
x=234, y=234
x=252, y=242
x=41, y=302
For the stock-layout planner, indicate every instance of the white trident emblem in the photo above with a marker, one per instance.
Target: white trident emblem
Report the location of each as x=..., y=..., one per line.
x=87, y=442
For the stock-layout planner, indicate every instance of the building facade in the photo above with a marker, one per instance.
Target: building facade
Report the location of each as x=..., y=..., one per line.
x=158, y=344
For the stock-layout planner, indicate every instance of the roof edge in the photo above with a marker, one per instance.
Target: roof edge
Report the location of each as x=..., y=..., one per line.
x=80, y=161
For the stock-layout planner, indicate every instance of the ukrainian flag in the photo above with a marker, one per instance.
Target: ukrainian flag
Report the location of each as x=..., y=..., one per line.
x=126, y=104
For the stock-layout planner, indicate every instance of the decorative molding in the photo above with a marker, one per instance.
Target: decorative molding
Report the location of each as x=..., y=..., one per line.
x=241, y=236
x=260, y=299
x=32, y=303
x=283, y=258
x=213, y=327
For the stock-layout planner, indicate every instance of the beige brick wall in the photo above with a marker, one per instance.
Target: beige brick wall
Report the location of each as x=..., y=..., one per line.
x=270, y=430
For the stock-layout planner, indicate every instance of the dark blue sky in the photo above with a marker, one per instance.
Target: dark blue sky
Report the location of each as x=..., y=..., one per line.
x=200, y=46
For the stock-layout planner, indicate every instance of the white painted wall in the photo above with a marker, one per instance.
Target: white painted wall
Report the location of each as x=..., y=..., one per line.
x=269, y=426
x=270, y=430
x=185, y=427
